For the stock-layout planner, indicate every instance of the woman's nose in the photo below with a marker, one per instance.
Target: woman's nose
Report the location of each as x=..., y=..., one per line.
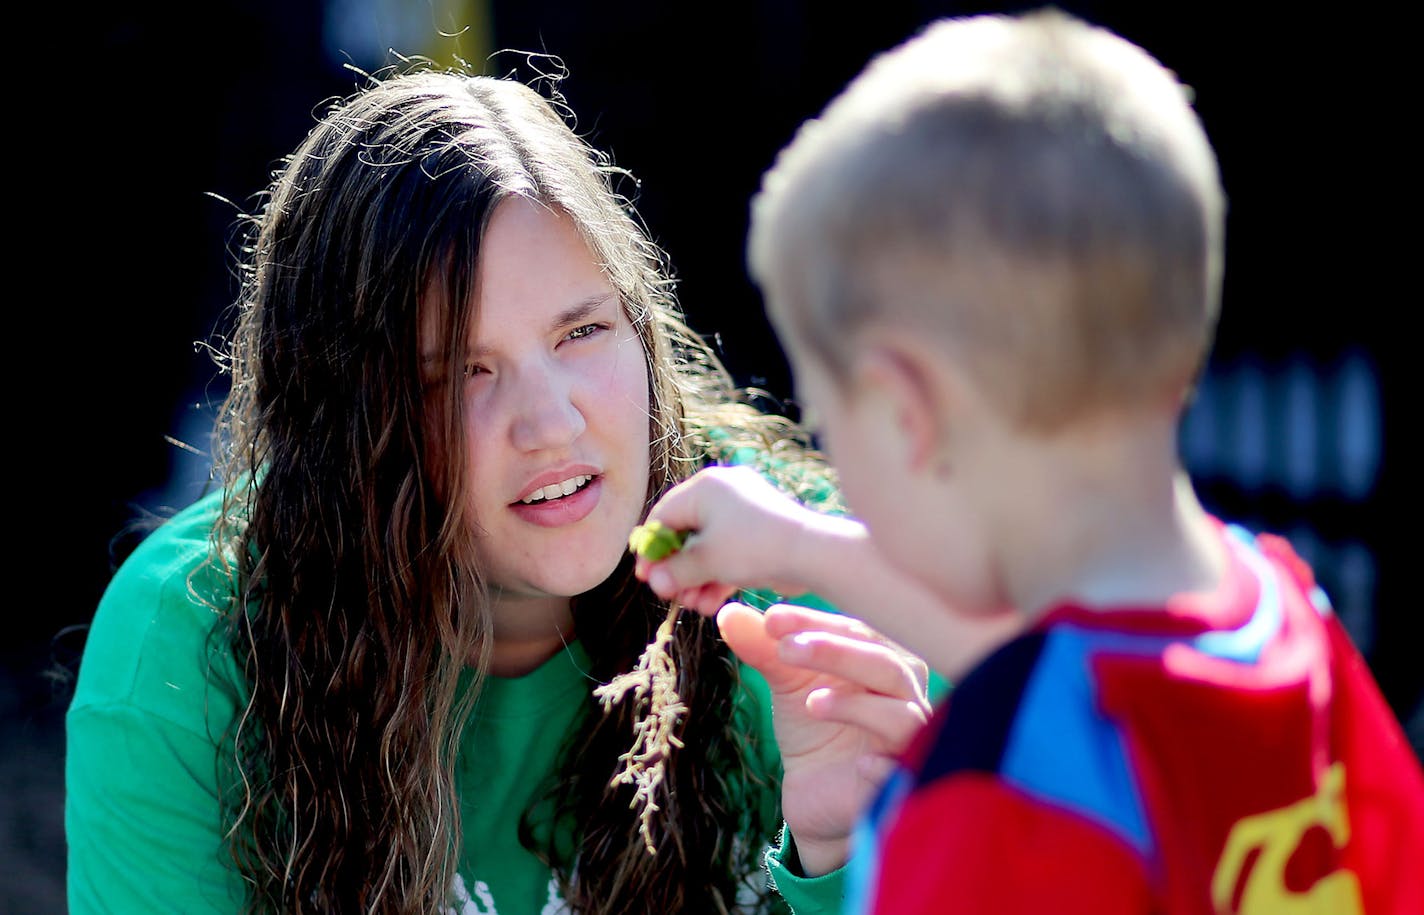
x=545, y=416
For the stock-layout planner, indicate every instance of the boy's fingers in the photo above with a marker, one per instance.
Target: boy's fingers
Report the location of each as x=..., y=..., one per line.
x=705, y=599
x=872, y=665
x=679, y=506
x=687, y=568
x=890, y=720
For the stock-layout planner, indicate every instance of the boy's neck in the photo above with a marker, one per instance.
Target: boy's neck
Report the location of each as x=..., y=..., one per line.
x=1107, y=519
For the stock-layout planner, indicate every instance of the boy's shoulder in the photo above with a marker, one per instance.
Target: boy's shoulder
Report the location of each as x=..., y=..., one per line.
x=971, y=732
x=1072, y=710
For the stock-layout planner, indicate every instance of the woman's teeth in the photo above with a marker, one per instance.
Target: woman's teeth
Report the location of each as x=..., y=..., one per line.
x=557, y=490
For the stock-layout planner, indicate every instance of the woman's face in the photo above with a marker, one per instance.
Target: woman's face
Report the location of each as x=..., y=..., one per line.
x=556, y=409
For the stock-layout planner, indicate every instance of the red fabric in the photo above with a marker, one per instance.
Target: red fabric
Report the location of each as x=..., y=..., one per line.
x=1212, y=741
x=1219, y=746
x=1282, y=784
x=1384, y=789
x=970, y=843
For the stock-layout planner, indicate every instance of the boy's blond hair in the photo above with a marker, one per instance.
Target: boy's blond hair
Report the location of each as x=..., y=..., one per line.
x=1034, y=193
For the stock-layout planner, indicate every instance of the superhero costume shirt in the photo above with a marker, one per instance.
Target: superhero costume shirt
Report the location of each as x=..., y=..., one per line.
x=1226, y=753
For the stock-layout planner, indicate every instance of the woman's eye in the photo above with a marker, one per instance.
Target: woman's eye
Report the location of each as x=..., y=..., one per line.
x=472, y=369
x=586, y=330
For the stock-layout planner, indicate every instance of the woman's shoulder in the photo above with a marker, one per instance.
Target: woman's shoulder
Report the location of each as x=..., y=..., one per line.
x=150, y=646
x=175, y=545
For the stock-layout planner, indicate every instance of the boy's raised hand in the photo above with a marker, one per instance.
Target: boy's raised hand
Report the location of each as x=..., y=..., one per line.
x=845, y=700
x=744, y=531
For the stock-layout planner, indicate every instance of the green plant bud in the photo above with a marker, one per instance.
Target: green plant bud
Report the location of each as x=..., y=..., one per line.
x=655, y=540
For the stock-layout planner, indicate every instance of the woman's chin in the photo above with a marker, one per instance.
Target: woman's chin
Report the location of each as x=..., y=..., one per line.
x=567, y=583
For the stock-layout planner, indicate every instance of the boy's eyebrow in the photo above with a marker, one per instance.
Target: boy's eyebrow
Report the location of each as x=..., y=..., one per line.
x=579, y=311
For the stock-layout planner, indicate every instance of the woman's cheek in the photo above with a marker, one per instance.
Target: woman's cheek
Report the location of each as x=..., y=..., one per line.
x=623, y=384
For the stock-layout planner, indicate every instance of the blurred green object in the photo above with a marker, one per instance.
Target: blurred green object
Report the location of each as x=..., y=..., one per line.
x=655, y=540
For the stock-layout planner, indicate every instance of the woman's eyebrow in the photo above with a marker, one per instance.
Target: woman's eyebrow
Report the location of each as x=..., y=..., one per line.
x=580, y=311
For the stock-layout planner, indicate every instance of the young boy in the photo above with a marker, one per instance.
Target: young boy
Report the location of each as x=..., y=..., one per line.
x=994, y=262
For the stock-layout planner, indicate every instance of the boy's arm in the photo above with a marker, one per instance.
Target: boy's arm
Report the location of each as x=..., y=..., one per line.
x=748, y=535
x=846, y=698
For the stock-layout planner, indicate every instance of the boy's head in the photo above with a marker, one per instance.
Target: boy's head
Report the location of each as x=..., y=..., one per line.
x=1002, y=233
x=1033, y=196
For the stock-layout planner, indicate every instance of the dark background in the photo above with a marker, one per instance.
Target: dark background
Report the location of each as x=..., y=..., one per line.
x=152, y=130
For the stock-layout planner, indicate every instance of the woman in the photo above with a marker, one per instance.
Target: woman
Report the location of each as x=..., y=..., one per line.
x=360, y=678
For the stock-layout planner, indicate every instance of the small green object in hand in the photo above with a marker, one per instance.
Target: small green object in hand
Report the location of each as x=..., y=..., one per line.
x=654, y=541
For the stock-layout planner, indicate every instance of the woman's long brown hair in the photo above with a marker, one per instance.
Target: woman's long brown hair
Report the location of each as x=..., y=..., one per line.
x=358, y=599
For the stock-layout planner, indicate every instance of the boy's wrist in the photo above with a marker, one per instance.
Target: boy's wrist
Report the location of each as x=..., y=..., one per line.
x=826, y=546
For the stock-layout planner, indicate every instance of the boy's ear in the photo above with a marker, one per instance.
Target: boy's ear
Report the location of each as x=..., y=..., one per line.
x=905, y=385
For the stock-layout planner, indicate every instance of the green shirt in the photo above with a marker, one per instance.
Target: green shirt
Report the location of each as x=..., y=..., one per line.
x=146, y=724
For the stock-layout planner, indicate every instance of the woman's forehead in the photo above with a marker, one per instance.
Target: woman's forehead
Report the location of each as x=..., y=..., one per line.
x=535, y=273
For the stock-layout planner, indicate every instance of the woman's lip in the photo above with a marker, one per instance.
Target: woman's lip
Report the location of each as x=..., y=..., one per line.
x=550, y=477
x=566, y=510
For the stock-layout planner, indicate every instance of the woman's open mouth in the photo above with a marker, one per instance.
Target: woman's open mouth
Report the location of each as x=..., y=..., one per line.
x=558, y=490
x=564, y=502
